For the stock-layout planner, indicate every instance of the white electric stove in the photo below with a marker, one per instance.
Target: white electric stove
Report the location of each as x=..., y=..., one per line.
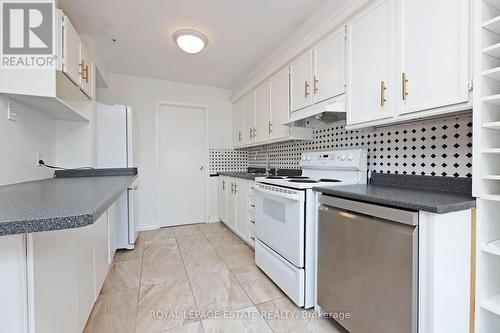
x=285, y=225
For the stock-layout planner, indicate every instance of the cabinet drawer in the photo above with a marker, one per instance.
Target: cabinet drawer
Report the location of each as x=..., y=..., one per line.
x=251, y=188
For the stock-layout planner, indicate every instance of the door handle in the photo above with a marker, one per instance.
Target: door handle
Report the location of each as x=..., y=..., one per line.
x=383, y=88
x=201, y=168
x=404, y=88
x=223, y=185
x=315, y=85
x=306, y=93
x=270, y=128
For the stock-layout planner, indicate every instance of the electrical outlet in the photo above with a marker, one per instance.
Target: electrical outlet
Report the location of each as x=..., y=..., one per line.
x=39, y=156
x=11, y=111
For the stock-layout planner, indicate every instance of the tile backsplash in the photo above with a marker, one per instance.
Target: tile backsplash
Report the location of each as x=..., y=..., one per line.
x=436, y=147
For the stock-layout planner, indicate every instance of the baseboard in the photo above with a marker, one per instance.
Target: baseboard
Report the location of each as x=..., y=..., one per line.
x=146, y=227
x=213, y=220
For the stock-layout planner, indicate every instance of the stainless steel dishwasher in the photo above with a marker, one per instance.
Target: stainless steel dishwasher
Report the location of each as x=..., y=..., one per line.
x=368, y=265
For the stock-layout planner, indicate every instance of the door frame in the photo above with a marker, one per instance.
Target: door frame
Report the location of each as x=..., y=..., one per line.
x=206, y=159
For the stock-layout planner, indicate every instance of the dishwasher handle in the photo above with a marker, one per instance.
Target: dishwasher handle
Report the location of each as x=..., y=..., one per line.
x=387, y=213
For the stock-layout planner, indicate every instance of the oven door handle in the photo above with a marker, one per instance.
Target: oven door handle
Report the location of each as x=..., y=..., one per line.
x=282, y=193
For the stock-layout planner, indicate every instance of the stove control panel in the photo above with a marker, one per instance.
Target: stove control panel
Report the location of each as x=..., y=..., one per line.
x=340, y=159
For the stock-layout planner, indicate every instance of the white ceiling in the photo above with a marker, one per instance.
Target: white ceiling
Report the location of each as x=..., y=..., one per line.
x=241, y=33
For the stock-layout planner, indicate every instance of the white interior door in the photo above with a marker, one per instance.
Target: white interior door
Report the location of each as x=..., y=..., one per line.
x=181, y=158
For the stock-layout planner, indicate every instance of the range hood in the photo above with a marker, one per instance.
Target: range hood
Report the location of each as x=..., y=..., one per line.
x=330, y=111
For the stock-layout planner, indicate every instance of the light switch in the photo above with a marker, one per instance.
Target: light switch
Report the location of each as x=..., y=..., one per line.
x=11, y=111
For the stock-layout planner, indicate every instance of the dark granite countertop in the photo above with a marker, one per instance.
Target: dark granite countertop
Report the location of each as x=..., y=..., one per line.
x=420, y=193
x=253, y=173
x=58, y=203
x=244, y=175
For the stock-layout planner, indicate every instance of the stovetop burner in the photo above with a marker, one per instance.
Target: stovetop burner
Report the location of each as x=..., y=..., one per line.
x=297, y=177
x=303, y=181
x=326, y=180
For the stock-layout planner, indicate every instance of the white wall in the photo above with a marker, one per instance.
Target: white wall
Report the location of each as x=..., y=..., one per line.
x=142, y=94
x=20, y=141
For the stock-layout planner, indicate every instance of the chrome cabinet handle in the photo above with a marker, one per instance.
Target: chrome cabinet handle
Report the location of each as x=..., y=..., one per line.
x=306, y=93
x=315, y=85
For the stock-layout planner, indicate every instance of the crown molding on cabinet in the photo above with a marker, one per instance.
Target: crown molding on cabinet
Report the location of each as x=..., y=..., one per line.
x=328, y=25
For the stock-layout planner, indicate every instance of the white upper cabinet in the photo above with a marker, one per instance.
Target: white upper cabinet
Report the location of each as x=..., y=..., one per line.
x=238, y=110
x=249, y=118
x=301, y=81
x=71, y=52
x=372, y=63
x=434, y=57
x=279, y=86
x=329, y=67
x=262, y=112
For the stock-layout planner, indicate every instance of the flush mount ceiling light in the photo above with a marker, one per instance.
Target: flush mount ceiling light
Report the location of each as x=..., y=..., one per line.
x=190, y=41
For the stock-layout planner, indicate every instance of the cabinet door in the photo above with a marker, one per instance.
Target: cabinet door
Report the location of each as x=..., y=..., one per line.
x=101, y=251
x=242, y=207
x=280, y=111
x=372, y=64
x=86, y=71
x=279, y=104
x=262, y=113
x=232, y=208
x=238, y=110
x=72, y=66
x=301, y=81
x=329, y=67
x=223, y=197
x=434, y=56
x=112, y=230
x=62, y=279
x=249, y=118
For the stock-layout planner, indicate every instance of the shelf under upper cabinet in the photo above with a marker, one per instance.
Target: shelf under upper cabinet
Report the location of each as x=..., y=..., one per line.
x=492, y=99
x=490, y=151
x=490, y=249
x=492, y=50
x=492, y=304
x=495, y=125
x=490, y=197
x=493, y=74
x=491, y=177
x=492, y=25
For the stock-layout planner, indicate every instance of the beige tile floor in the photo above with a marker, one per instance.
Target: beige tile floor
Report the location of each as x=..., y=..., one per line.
x=183, y=279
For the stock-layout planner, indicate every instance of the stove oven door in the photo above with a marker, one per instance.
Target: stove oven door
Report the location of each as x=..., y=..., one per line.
x=279, y=221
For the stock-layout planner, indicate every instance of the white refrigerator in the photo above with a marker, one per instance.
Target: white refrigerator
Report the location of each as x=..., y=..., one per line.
x=114, y=149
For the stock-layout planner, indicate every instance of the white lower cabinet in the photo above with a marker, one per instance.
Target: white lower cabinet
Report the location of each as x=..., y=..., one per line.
x=60, y=279
x=223, y=198
x=234, y=203
x=112, y=231
x=101, y=252
x=50, y=280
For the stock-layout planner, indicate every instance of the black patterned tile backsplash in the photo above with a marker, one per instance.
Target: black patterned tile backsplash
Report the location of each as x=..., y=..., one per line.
x=228, y=160
x=436, y=147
